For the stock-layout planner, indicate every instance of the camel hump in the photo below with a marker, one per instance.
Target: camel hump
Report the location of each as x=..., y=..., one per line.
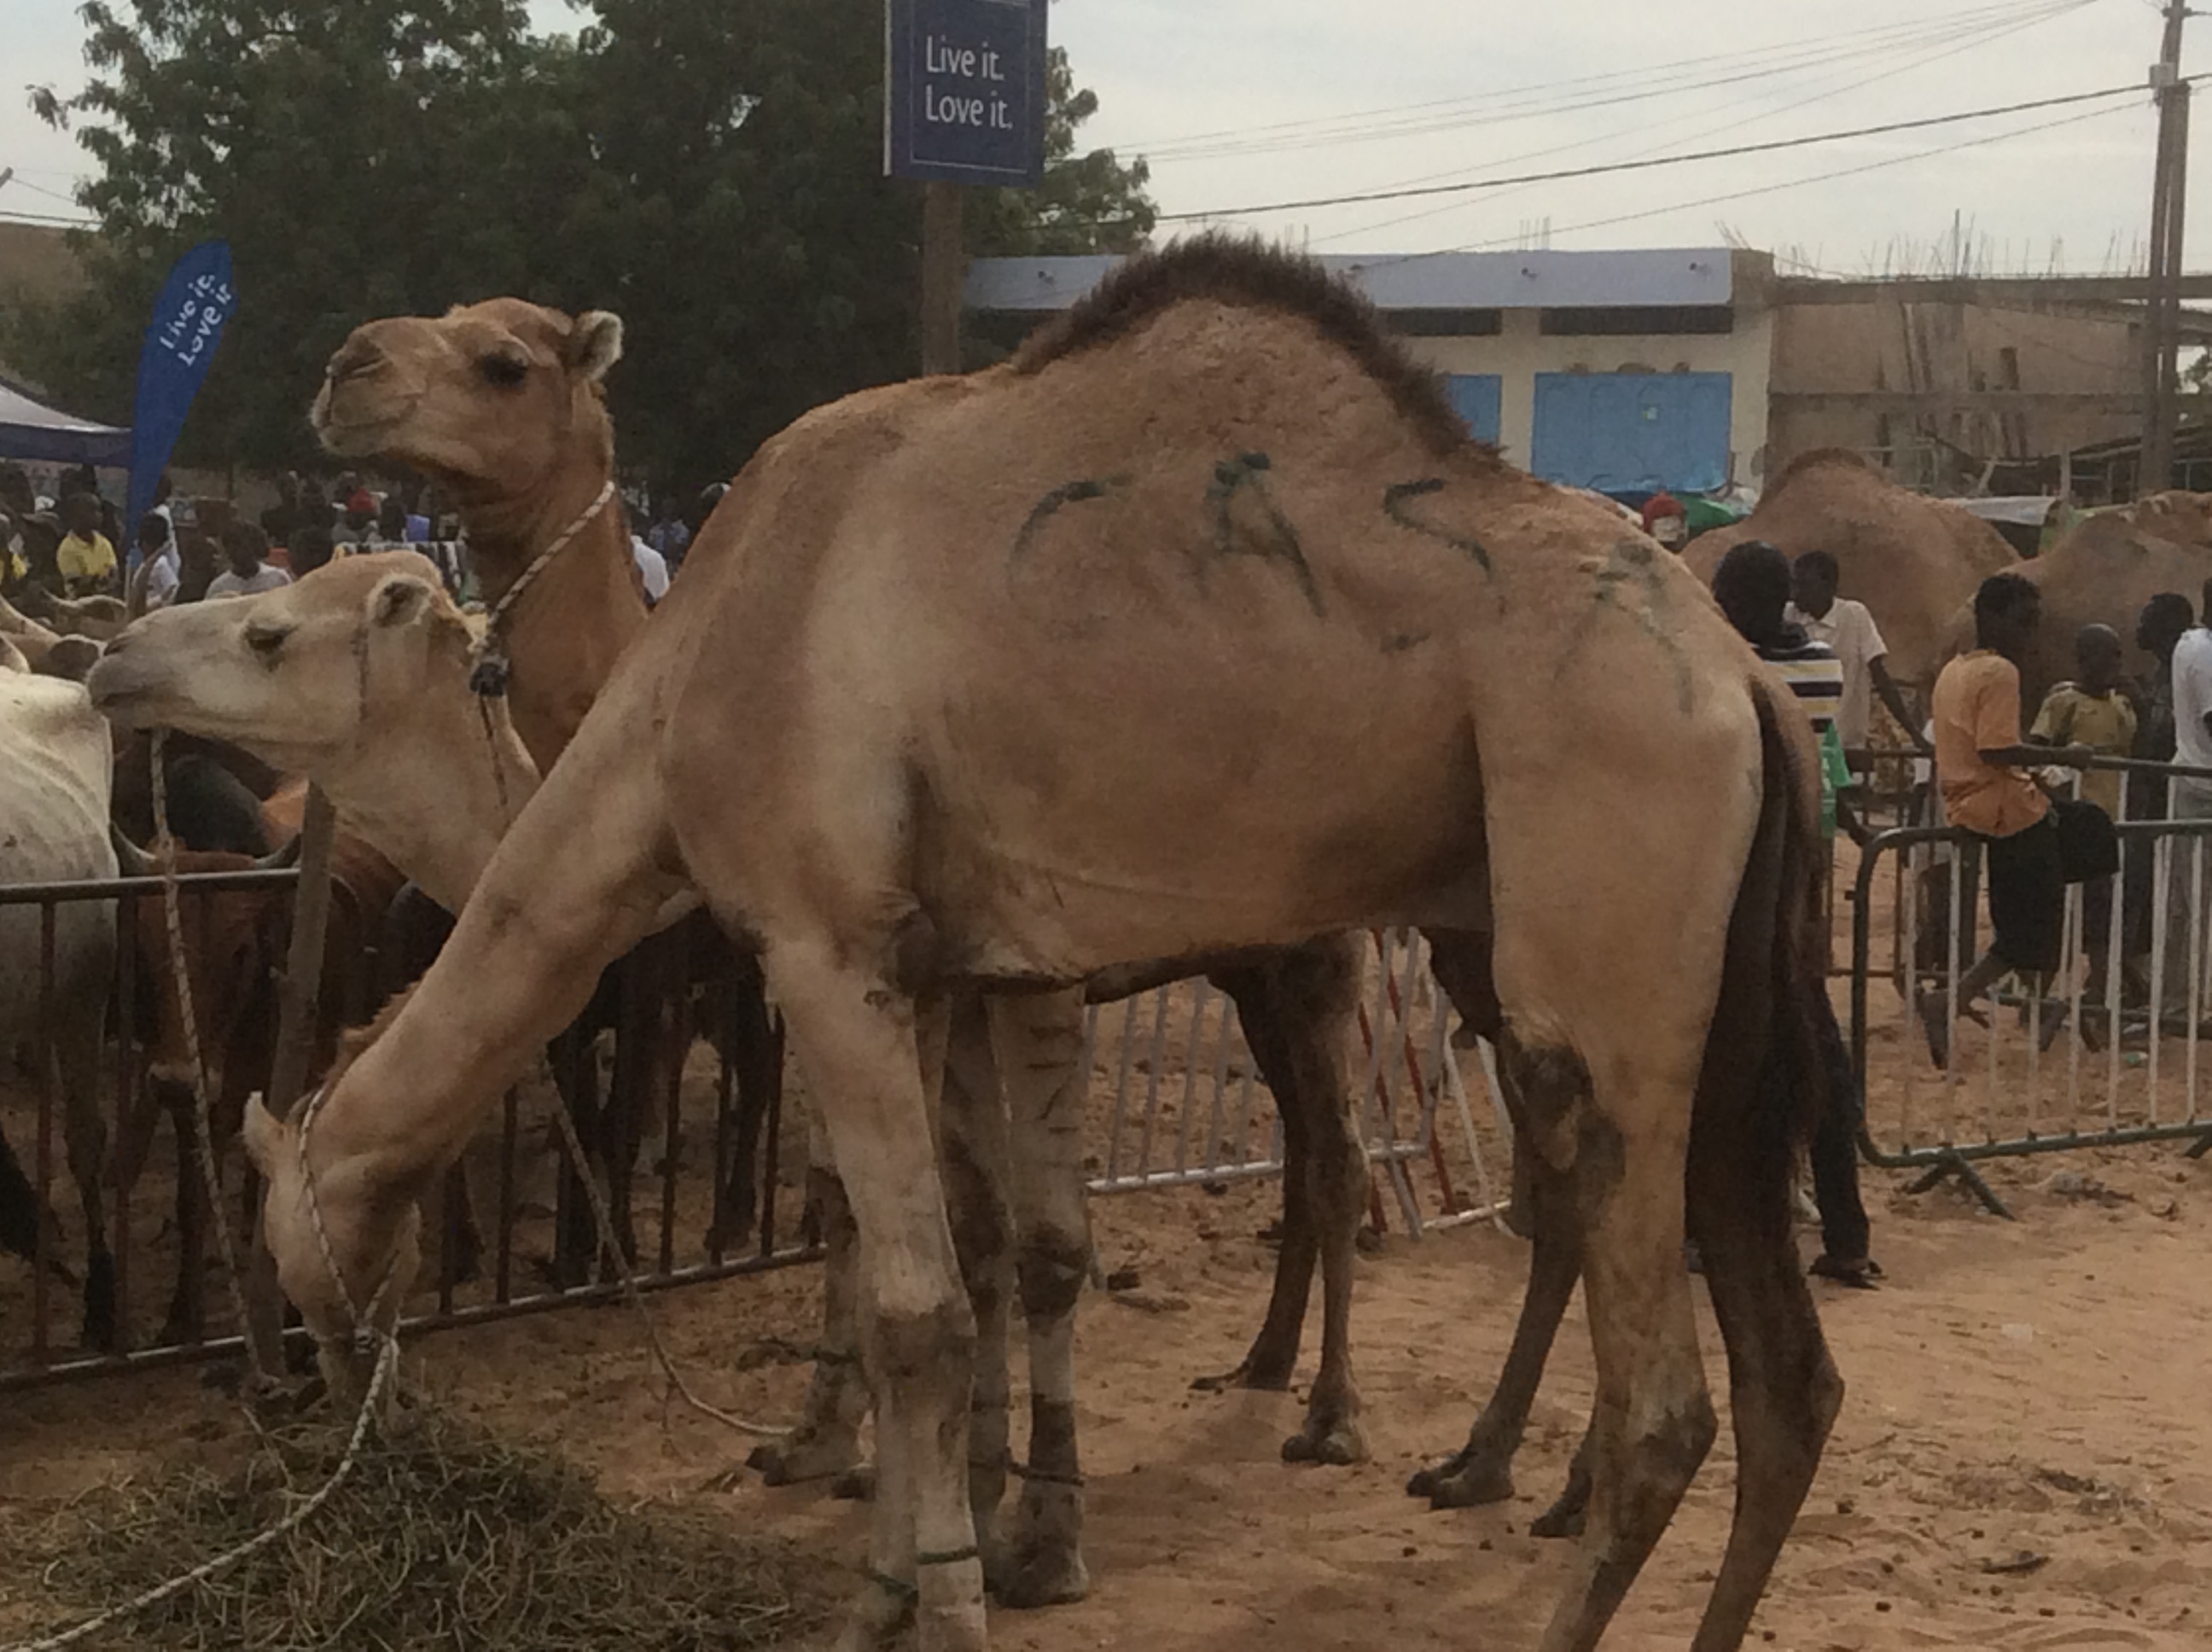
x=1817, y=458
x=1248, y=273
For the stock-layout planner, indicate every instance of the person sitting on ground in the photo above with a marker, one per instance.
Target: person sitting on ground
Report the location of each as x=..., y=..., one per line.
x=1752, y=585
x=2093, y=711
x=248, y=547
x=1847, y=628
x=86, y=557
x=1981, y=768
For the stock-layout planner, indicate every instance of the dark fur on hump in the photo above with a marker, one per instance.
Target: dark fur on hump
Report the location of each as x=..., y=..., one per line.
x=1239, y=269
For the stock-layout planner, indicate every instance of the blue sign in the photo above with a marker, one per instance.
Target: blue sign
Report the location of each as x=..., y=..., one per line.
x=196, y=302
x=964, y=91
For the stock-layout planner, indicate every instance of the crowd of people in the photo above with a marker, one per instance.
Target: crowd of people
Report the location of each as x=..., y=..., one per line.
x=75, y=545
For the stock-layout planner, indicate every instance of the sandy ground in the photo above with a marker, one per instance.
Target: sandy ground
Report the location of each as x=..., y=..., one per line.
x=2018, y=1390
x=2025, y=1459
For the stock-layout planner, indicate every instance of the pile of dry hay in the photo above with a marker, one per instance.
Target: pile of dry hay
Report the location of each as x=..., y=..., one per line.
x=444, y=1536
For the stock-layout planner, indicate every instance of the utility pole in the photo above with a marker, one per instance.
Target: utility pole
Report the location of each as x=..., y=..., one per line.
x=943, y=270
x=2162, y=316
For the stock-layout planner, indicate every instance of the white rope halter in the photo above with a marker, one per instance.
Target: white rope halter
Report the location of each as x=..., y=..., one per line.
x=488, y=674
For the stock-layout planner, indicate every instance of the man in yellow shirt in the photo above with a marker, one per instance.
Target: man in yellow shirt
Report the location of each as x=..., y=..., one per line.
x=85, y=559
x=1981, y=765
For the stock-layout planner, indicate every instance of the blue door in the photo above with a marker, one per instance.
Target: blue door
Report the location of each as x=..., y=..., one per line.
x=1633, y=432
x=1474, y=398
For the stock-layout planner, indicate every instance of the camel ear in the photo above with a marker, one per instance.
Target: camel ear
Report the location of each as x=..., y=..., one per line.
x=596, y=344
x=398, y=599
x=267, y=1136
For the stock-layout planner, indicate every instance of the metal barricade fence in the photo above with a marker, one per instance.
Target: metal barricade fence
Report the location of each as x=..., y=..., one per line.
x=2106, y=1054
x=707, y=1158
x=1183, y=1102
x=495, y=1250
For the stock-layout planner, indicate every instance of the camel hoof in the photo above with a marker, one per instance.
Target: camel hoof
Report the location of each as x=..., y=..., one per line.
x=1467, y=1481
x=1260, y=1373
x=1041, y=1577
x=1336, y=1444
x=1565, y=1518
x=806, y=1456
x=1040, y=1563
x=856, y=1485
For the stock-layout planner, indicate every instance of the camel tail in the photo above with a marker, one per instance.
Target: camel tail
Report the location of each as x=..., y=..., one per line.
x=1766, y=1079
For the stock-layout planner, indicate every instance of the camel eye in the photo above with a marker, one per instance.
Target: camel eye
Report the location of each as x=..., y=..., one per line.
x=266, y=640
x=504, y=371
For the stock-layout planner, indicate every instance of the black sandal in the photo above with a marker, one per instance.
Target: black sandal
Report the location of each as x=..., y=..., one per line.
x=1863, y=1275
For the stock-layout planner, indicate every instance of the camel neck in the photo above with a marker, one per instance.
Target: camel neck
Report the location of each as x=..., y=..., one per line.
x=440, y=817
x=566, y=631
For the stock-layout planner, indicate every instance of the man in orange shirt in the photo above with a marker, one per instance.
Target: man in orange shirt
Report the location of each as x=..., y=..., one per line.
x=1981, y=764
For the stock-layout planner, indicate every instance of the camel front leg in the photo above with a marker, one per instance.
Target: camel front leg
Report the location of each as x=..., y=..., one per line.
x=972, y=1128
x=826, y=1442
x=857, y=1037
x=1037, y=1038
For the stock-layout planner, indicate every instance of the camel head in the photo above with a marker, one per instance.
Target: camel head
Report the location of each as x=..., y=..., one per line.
x=492, y=399
x=294, y=675
x=370, y=1234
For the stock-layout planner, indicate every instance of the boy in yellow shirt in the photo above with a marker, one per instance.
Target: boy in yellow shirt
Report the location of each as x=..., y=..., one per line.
x=2094, y=711
x=85, y=557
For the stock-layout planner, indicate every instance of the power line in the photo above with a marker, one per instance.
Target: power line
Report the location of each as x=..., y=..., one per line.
x=1761, y=189
x=9, y=215
x=1602, y=87
x=2005, y=26
x=1611, y=168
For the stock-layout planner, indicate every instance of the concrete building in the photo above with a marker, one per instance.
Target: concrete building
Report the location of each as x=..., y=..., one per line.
x=1697, y=368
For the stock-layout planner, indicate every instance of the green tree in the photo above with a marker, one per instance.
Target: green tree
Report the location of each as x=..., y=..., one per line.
x=712, y=172
x=361, y=157
x=1088, y=202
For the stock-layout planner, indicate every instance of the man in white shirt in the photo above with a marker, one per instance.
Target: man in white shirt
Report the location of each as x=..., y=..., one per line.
x=245, y=545
x=652, y=569
x=2191, y=798
x=1847, y=628
x=2192, y=718
x=158, y=571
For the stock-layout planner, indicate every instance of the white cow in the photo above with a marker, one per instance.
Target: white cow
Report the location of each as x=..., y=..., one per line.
x=56, y=769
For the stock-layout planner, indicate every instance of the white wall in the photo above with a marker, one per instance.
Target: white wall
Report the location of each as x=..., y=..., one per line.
x=1520, y=352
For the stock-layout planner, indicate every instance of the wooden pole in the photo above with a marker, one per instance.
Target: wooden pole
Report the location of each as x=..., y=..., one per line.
x=299, y=998
x=943, y=272
x=2163, y=318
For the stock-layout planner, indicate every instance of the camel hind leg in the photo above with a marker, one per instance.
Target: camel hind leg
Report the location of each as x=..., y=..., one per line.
x=1036, y=1040
x=1481, y=1471
x=1297, y=1009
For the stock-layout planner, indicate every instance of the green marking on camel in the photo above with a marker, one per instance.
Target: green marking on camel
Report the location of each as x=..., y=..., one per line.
x=1280, y=543
x=1633, y=565
x=1393, y=506
x=1068, y=492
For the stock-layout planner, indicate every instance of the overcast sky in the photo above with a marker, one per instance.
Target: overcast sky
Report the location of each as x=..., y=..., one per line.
x=1245, y=103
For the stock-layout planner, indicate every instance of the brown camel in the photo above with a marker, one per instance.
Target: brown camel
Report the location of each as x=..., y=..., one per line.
x=287, y=675
x=1007, y=627
x=356, y=677
x=2102, y=571
x=1911, y=559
